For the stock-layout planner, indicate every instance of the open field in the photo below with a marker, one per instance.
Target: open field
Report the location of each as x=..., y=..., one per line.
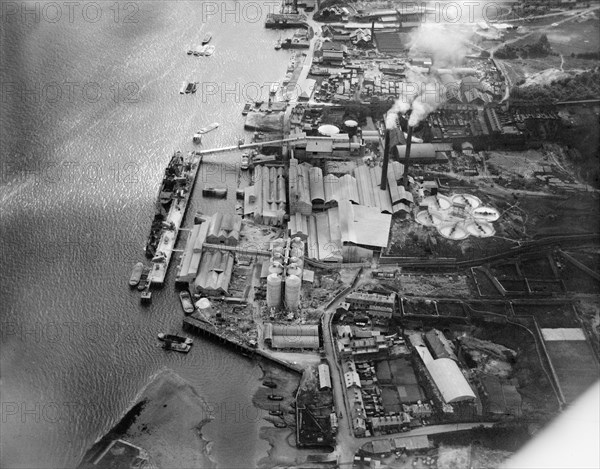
x=575, y=366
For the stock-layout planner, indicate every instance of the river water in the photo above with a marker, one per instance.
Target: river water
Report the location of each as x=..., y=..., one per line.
x=90, y=115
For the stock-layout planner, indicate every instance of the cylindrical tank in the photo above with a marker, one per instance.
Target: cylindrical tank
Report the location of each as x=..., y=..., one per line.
x=276, y=257
x=273, y=290
x=293, y=269
x=292, y=292
x=296, y=260
x=297, y=252
x=276, y=268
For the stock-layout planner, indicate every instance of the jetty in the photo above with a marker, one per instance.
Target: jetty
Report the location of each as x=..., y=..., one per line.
x=249, y=145
x=200, y=327
x=168, y=237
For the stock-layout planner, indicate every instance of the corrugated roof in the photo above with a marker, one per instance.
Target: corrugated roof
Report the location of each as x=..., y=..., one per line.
x=295, y=342
x=449, y=380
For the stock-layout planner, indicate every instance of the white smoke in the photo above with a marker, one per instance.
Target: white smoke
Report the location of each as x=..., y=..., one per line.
x=422, y=92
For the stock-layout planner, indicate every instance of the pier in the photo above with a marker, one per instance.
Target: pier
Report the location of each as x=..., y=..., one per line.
x=199, y=327
x=249, y=145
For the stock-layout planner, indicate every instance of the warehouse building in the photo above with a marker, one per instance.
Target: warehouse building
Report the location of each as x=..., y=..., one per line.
x=298, y=337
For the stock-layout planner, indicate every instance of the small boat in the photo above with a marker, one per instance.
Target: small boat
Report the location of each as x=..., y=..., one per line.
x=184, y=86
x=269, y=384
x=278, y=44
x=190, y=51
x=146, y=296
x=191, y=87
x=197, y=138
x=275, y=397
x=198, y=51
x=175, y=338
x=220, y=192
x=246, y=109
x=141, y=286
x=277, y=413
x=244, y=160
x=186, y=302
x=136, y=274
x=210, y=50
x=208, y=128
x=176, y=346
x=207, y=38
x=280, y=424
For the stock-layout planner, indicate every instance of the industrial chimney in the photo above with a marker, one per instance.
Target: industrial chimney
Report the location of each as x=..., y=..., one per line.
x=407, y=157
x=386, y=159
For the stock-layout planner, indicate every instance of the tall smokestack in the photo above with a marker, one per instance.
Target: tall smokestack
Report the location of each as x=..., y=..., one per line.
x=407, y=156
x=386, y=158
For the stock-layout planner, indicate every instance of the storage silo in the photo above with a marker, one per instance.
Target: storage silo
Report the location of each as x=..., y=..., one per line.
x=292, y=292
x=276, y=268
x=273, y=290
x=293, y=269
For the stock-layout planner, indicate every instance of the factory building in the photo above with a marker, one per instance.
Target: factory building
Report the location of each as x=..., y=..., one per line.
x=324, y=377
x=298, y=337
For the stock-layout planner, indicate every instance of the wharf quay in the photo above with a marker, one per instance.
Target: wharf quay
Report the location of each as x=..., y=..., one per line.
x=168, y=237
x=203, y=328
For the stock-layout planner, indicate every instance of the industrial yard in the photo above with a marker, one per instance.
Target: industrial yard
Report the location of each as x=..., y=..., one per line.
x=424, y=266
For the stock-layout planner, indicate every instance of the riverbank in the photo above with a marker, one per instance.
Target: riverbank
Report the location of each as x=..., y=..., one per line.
x=166, y=422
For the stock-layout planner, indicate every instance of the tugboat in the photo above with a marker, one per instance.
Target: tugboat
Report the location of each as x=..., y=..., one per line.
x=186, y=302
x=176, y=346
x=220, y=192
x=275, y=397
x=175, y=338
x=136, y=274
x=207, y=38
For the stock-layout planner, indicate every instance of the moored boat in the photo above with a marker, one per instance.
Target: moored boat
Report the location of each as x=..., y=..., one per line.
x=186, y=301
x=210, y=50
x=246, y=109
x=280, y=424
x=136, y=274
x=197, y=52
x=207, y=38
x=215, y=192
x=275, y=397
x=184, y=86
x=176, y=346
x=143, y=282
x=277, y=413
x=175, y=338
x=197, y=138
